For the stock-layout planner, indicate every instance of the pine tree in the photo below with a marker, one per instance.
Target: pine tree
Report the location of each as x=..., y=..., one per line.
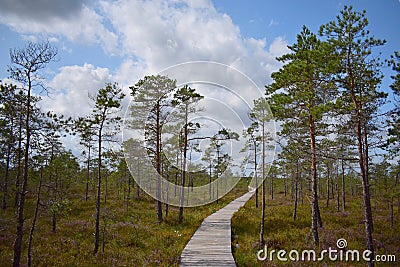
x=27, y=63
x=302, y=91
x=358, y=78
x=261, y=115
x=185, y=98
x=104, y=116
x=150, y=113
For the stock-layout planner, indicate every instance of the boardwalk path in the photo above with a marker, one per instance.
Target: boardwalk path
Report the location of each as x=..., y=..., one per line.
x=211, y=243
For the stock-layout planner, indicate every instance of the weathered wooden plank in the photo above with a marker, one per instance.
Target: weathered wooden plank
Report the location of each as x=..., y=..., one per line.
x=210, y=245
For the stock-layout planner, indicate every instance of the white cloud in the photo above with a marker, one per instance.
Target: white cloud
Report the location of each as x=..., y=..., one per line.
x=83, y=25
x=71, y=89
x=151, y=36
x=129, y=72
x=164, y=33
x=278, y=47
x=147, y=37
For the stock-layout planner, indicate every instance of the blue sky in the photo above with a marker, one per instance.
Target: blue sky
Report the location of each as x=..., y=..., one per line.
x=101, y=41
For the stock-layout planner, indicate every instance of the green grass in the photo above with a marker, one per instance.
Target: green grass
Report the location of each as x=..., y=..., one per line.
x=133, y=237
x=281, y=232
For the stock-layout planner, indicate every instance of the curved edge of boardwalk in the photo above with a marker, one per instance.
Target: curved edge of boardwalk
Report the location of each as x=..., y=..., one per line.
x=210, y=245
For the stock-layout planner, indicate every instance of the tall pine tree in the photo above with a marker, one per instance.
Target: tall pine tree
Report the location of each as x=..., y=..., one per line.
x=358, y=78
x=301, y=92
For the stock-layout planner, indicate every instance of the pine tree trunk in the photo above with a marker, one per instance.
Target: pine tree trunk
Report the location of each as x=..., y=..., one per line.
x=296, y=183
x=332, y=188
x=362, y=142
x=21, y=205
x=188, y=189
x=365, y=183
x=337, y=195
x=366, y=162
x=98, y=198
x=87, y=176
x=315, y=215
x=262, y=224
x=337, y=186
x=166, y=204
x=343, y=189
x=263, y=185
x=128, y=197
x=255, y=170
x=17, y=179
x=327, y=186
x=5, y=188
x=217, y=176
x=272, y=187
x=34, y=219
x=295, y=201
x=158, y=165
x=138, y=180
x=285, y=186
x=183, y=178
x=209, y=181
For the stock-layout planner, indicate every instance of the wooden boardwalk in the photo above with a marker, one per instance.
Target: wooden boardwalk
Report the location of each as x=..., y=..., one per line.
x=211, y=243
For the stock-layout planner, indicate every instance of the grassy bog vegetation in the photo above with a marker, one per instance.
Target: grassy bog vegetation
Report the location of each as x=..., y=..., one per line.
x=284, y=233
x=130, y=234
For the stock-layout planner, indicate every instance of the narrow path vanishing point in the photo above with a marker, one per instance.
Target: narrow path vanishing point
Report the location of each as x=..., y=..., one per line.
x=211, y=243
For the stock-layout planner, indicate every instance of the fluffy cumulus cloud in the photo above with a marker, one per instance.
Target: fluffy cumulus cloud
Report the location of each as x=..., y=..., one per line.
x=71, y=19
x=144, y=37
x=130, y=71
x=163, y=33
x=72, y=88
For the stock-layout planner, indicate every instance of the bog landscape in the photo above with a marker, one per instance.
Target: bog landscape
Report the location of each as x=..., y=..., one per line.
x=307, y=166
